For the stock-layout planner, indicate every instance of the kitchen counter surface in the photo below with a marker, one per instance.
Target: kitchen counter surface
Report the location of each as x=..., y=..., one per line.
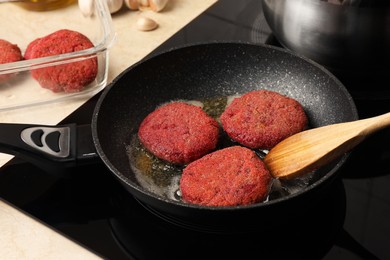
x=23, y=237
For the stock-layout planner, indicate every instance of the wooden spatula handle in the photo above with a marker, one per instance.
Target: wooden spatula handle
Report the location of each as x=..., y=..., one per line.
x=377, y=123
x=314, y=148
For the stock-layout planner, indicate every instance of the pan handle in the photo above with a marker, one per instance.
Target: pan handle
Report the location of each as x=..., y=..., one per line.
x=68, y=144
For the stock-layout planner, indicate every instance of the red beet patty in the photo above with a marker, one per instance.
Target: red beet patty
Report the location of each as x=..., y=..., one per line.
x=9, y=52
x=179, y=132
x=228, y=177
x=70, y=77
x=262, y=118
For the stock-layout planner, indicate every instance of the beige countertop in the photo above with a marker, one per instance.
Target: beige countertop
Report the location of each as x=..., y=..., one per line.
x=23, y=237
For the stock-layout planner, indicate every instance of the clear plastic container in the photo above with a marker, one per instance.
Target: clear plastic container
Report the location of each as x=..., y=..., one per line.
x=20, y=26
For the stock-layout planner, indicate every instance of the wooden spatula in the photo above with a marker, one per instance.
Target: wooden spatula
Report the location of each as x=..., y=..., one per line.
x=311, y=149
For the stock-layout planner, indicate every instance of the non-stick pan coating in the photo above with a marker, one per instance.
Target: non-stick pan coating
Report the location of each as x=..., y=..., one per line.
x=209, y=70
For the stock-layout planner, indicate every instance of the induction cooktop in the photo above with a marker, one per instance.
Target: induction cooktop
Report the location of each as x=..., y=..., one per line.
x=89, y=206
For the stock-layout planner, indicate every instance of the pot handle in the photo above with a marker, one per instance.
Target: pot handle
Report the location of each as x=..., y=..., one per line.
x=68, y=144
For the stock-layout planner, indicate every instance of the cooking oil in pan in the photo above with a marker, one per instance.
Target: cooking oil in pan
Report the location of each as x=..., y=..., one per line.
x=153, y=174
x=163, y=178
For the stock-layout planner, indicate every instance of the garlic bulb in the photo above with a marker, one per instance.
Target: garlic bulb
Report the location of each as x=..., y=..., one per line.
x=154, y=5
x=157, y=5
x=146, y=24
x=132, y=4
x=114, y=5
x=143, y=2
x=86, y=7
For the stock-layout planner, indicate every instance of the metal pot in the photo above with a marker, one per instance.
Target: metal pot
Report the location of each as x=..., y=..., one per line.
x=343, y=35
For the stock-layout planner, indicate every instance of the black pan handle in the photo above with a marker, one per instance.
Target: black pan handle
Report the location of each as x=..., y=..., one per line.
x=69, y=144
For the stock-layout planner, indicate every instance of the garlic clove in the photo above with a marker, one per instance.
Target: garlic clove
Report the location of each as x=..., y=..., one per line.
x=157, y=5
x=146, y=24
x=143, y=5
x=114, y=5
x=143, y=2
x=132, y=4
x=86, y=7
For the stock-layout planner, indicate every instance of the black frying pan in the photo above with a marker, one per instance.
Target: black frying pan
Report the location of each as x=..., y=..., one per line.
x=204, y=71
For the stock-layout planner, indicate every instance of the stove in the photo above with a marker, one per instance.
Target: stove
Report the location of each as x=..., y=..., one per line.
x=88, y=205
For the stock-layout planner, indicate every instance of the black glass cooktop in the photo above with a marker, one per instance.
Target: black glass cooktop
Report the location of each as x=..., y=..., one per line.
x=88, y=205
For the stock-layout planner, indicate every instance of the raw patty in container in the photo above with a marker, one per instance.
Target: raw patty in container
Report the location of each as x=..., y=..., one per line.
x=69, y=77
x=228, y=177
x=263, y=118
x=9, y=52
x=179, y=132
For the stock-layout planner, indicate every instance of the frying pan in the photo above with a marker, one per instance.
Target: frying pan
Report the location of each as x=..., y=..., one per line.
x=200, y=72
